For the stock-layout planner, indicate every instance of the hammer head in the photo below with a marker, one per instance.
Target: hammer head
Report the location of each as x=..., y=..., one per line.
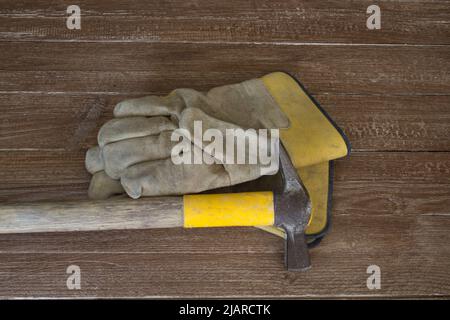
x=292, y=213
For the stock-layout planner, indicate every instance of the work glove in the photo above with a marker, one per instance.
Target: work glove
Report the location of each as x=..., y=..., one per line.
x=135, y=149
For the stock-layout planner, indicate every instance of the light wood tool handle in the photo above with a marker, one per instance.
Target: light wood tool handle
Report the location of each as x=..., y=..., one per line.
x=124, y=213
x=203, y=210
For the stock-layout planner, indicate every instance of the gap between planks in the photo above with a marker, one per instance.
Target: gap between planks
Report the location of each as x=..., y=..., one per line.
x=244, y=43
x=121, y=93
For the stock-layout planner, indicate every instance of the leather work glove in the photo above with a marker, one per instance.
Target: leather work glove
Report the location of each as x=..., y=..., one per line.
x=134, y=149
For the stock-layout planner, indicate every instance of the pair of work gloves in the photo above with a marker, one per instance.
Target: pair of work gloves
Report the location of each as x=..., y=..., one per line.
x=135, y=148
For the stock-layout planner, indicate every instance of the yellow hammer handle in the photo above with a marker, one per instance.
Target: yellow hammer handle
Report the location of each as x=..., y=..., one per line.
x=229, y=209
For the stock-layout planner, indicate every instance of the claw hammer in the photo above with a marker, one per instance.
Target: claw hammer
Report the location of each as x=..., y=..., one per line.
x=289, y=209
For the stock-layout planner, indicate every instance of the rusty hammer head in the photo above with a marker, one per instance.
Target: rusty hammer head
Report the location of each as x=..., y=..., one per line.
x=292, y=213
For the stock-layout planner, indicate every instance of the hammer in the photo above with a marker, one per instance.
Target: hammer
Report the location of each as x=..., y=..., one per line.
x=289, y=209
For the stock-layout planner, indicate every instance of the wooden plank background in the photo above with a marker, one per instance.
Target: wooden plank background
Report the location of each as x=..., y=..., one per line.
x=388, y=89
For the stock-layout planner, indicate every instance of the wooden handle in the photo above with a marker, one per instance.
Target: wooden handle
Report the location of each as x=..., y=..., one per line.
x=123, y=213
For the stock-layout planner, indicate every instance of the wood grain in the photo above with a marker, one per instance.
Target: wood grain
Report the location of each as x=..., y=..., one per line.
x=403, y=22
x=365, y=183
x=139, y=68
x=371, y=122
x=235, y=262
x=388, y=89
x=88, y=215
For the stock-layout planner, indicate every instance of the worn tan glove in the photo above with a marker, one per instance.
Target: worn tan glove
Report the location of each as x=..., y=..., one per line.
x=134, y=149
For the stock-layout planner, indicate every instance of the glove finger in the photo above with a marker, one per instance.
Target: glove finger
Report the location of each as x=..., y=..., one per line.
x=242, y=157
x=191, y=115
x=94, y=160
x=163, y=177
x=226, y=130
x=259, y=157
x=170, y=105
x=132, y=127
x=103, y=187
x=122, y=154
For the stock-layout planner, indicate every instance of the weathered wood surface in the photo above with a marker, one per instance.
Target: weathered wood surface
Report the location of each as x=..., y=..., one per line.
x=336, y=21
x=411, y=250
x=371, y=122
x=160, y=67
x=388, y=89
x=369, y=182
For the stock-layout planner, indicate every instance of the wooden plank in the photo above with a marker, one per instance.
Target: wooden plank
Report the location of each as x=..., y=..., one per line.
x=412, y=22
x=392, y=123
x=390, y=208
x=412, y=252
x=42, y=121
x=372, y=123
x=172, y=240
x=46, y=168
x=365, y=183
x=402, y=167
x=40, y=175
x=160, y=67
